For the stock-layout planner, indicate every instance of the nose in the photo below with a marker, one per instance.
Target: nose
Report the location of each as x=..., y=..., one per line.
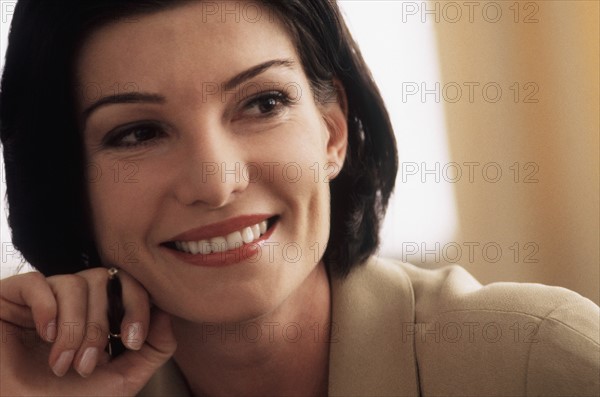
x=212, y=166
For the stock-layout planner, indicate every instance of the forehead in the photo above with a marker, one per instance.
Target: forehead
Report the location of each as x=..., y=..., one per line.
x=186, y=46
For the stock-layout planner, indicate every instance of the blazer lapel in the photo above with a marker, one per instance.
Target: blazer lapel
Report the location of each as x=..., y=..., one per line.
x=372, y=351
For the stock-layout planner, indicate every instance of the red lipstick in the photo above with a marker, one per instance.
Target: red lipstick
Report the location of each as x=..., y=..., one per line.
x=247, y=252
x=221, y=228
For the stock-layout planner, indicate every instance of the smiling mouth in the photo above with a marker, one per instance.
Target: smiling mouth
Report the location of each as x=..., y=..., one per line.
x=237, y=239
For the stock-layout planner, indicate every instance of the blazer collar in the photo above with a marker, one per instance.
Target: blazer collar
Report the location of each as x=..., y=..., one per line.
x=371, y=352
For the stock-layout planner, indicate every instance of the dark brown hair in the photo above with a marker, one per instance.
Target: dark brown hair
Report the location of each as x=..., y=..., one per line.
x=45, y=166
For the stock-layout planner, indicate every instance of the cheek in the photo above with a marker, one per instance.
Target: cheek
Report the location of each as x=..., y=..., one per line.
x=122, y=207
x=304, y=181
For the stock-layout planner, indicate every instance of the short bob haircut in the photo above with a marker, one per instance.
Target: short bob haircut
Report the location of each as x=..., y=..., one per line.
x=49, y=212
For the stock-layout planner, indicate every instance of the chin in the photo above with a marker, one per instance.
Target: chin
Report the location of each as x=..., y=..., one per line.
x=235, y=307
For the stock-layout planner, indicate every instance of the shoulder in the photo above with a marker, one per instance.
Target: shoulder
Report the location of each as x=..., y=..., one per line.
x=452, y=289
x=521, y=338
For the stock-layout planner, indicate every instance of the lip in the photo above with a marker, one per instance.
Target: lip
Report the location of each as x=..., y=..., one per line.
x=221, y=229
x=225, y=258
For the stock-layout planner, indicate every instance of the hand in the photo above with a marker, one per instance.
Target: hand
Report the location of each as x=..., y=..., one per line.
x=55, y=330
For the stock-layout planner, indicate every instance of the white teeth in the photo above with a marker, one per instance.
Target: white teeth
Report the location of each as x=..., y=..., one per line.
x=247, y=235
x=255, y=232
x=221, y=244
x=218, y=244
x=262, y=227
x=234, y=240
x=184, y=246
x=193, y=246
x=204, y=247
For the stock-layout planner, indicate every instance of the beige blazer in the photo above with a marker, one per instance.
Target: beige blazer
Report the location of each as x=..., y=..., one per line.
x=406, y=331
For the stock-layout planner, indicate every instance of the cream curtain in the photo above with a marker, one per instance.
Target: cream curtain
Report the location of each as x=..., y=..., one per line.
x=543, y=56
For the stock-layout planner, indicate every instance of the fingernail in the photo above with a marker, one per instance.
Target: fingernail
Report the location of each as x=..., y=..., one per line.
x=88, y=362
x=133, y=339
x=61, y=366
x=51, y=331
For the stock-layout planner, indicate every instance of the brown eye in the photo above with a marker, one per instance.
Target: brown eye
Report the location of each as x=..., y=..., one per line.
x=266, y=104
x=136, y=135
x=140, y=134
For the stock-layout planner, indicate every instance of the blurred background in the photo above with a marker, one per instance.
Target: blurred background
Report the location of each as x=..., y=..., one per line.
x=496, y=110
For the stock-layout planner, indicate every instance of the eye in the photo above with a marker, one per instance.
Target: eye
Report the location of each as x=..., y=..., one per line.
x=266, y=105
x=134, y=135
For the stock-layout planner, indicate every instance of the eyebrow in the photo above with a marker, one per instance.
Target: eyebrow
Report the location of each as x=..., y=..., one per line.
x=255, y=71
x=130, y=97
x=142, y=97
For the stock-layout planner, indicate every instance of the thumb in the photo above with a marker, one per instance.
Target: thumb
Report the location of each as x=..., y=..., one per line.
x=137, y=367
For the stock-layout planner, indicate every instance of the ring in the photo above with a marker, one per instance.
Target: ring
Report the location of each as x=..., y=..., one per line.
x=112, y=273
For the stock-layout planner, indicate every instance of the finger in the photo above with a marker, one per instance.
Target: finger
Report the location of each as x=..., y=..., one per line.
x=29, y=290
x=139, y=366
x=96, y=326
x=71, y=292
x=136, y=321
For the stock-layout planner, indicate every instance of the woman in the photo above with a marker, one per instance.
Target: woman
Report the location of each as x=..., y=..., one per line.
x=237, y=186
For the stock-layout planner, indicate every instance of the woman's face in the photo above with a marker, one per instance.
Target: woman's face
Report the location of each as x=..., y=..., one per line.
x=209, y=128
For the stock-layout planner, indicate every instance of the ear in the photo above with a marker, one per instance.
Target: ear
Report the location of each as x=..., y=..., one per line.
x=335, y=114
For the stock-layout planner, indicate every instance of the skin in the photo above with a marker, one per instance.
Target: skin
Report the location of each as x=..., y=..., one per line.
x=151, y=185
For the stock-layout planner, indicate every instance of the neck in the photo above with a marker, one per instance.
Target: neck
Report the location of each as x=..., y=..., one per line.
x=283, y=353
